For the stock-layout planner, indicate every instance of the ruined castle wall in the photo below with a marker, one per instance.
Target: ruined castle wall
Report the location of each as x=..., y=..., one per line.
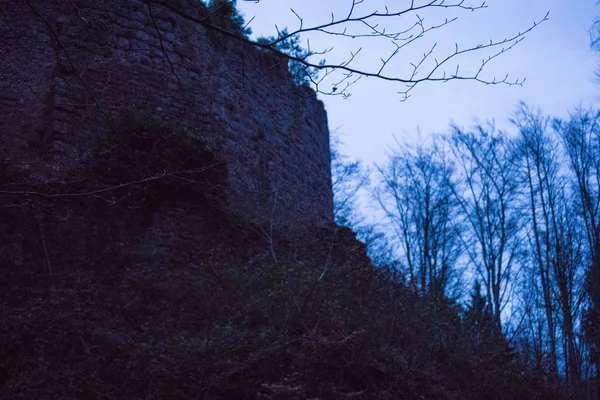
x=69, y=69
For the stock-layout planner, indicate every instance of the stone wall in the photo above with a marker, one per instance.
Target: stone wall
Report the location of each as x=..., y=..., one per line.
x=69, y=69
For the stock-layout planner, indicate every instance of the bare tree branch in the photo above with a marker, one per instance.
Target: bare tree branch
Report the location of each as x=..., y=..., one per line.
x=353, y=24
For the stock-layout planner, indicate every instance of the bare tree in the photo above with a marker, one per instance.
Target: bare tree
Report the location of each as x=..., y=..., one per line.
x=348, y=178
x=529, y=334
x=380, y=248
x=595, y=40
x=488, y=196
x=398, y=25
x=532, y=129
x=415, y=194
x=556, y=241
x=581, y=137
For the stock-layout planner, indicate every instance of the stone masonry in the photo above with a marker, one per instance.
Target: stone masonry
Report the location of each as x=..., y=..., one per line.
x=68, y=68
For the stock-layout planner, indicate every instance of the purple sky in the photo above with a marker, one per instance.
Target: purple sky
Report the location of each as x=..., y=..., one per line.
x=555, y=58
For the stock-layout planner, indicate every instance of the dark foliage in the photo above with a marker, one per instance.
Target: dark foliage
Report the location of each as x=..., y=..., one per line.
x=319, y=323
x=225, y=13
x=153, y=162
x=301, y=74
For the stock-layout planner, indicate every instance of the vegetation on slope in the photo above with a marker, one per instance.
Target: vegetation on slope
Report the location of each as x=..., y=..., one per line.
x=320, y=322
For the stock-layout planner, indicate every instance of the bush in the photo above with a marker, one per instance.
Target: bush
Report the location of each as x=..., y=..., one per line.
x=154, y=161
x=248, y=327
x=226, y=13
x=301, y=75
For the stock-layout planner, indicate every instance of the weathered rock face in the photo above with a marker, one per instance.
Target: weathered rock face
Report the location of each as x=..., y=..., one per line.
x=70, y=69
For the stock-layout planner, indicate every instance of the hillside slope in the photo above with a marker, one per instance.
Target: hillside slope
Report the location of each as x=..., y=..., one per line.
x=225, y=311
